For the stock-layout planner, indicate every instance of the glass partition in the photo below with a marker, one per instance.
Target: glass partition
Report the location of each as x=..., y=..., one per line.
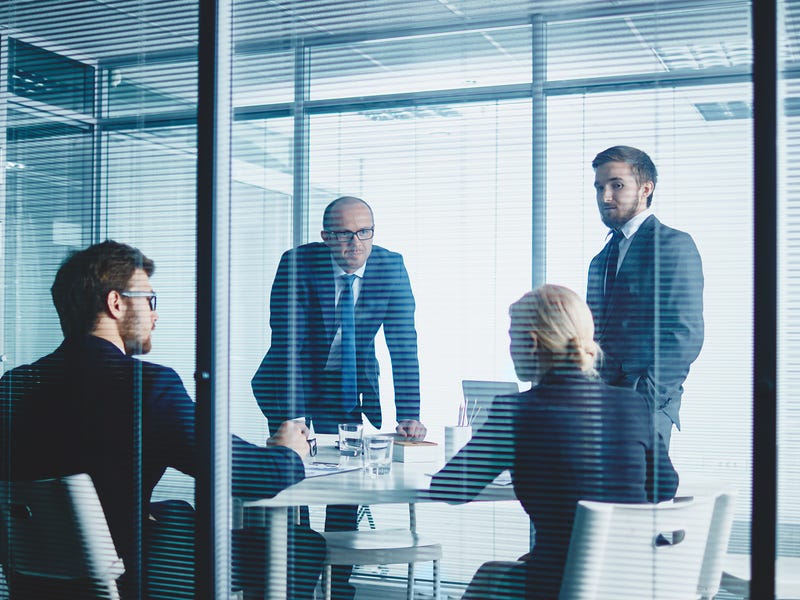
x=652, y=43
x=48, y=211
x=788, y=509
x=701, y=177
x=452, y=60
x=469, y=128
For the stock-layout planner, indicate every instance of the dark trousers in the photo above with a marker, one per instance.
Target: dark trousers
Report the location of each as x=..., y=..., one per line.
x=664, y=427
x=326, y=415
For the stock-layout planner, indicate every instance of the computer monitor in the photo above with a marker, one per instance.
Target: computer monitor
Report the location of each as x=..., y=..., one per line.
x=479, y=395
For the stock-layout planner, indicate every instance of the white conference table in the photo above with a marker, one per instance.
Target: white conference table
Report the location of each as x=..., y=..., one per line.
x=407, y=482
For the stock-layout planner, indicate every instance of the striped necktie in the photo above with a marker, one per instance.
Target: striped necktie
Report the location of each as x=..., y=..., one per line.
x=612, y=258
x=348, y=320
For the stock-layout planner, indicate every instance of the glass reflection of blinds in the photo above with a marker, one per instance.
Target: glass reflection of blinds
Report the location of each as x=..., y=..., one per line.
x=788, y=315
x=436, y=113
x=98, y=122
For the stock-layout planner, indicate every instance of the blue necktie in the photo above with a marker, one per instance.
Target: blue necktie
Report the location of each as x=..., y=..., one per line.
x=348, y=319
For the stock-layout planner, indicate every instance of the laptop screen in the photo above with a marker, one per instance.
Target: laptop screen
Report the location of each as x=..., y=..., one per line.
x=479, y=395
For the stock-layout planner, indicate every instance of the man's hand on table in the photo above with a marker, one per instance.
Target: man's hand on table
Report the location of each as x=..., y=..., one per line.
x=411, y=429
x=291, y=434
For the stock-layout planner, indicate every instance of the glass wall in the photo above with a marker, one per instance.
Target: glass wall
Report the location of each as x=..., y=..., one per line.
x=788, y=514
x=469, y=128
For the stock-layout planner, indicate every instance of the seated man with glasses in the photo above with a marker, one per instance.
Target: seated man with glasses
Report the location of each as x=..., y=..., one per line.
x=328, y=301
x=91, y=407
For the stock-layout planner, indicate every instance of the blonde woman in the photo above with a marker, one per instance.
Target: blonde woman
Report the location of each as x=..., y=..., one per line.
x=570, y=437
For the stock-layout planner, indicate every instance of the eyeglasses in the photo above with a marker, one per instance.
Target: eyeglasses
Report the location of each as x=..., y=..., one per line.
x=151, y=297
x=346, y=236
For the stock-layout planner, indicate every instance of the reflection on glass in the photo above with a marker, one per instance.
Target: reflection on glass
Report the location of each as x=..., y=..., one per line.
x=49, y=77
x=663, y=42
x=48, y=211
x=450, y=186
x=263, y=78
x=703, y=169
x=151, y=88
x=459, y=60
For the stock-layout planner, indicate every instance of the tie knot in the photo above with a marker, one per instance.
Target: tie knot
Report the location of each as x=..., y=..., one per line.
x=348, y=279
x=618, y=235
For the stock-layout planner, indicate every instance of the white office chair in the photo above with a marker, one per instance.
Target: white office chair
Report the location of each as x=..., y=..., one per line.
x=634, y=551
x=382, y=547
x=55, y=529
x=717, y=547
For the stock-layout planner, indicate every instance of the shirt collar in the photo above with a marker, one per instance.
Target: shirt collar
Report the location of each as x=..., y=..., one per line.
x=632, y=226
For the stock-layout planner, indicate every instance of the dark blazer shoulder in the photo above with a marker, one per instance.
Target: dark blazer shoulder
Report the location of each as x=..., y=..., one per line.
x=384, y=262
x=313, y=253
x=159, y=374
x=580, y=392
x=666, y=234
x=382, y=257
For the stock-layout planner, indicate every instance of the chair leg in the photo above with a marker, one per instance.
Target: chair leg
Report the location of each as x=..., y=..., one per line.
x=437, y=583
x=410, y=588
x=326, y=582
x=113, y=591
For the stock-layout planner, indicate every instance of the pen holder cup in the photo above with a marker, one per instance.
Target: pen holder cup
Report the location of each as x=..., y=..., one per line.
x=455, y=438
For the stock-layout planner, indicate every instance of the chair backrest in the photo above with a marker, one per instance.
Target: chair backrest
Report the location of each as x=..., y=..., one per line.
x=717, y=547
x=652, y=551
x=56, y=529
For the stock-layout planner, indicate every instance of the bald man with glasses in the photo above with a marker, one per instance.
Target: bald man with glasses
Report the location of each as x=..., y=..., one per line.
x=303, y=371
x=328, y=301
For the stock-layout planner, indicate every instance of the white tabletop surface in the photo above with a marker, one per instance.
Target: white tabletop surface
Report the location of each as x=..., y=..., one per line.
x=407, y=482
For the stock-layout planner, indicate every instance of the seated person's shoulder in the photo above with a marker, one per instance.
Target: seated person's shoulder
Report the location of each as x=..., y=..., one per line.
x=160, y=380
x=628, y=408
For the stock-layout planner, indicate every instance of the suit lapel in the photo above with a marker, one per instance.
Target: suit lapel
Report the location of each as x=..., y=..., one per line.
x=365, y=294
x=631, y=265
x=325, y=288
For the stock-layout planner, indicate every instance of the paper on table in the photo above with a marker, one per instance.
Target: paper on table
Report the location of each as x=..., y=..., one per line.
x=319, y=469
x=503, y=479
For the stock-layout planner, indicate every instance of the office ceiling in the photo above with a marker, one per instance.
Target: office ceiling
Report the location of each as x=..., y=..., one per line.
x=102, y=29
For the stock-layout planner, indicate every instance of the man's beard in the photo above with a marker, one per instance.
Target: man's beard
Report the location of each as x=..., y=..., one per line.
x=136, y=339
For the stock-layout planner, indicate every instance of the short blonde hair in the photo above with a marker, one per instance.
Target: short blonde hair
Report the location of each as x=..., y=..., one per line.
x=561, y=326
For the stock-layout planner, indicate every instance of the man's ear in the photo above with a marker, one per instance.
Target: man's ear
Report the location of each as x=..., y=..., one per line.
x=647, y=189
x=114, y=304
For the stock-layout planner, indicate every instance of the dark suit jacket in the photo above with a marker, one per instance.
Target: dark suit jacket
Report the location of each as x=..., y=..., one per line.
x=303, y=323
x=651, y=327
x=569, y=438
x=75, y=411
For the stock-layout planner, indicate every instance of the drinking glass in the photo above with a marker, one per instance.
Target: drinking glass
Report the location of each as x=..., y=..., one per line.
x=378, y=454
x=350, y=439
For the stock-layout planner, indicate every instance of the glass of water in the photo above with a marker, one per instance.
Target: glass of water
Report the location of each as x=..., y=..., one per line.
x=378, y=454
x=350, y=440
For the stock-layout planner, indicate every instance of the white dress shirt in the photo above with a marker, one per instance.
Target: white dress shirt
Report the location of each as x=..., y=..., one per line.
x=628, y=231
